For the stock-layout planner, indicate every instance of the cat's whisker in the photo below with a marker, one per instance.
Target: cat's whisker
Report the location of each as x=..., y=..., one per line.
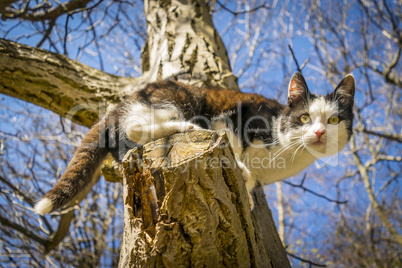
x=295, y=152
x=277, y=154
x=284, y=149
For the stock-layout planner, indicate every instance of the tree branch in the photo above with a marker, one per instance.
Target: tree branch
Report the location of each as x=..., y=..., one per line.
x=4, y=4
x=236, y=13
x=48, y=14
x=305, y=261
x=299, y=68
x=389, y=136
x=26, y=198
x=25, y=231
x=294, y=58
x=373, y=201
x=60, y=84
x=312, y=192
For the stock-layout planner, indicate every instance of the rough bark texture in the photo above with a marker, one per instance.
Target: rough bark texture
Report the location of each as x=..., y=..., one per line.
x=183, y=43
x=185, y=204
x=60, y=84
x=111, y=170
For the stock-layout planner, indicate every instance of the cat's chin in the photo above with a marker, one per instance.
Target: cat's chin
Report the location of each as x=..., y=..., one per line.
x=318, y=146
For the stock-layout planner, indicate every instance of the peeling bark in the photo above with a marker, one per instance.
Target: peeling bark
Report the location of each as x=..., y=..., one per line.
x=185, y=204
x=112, y=170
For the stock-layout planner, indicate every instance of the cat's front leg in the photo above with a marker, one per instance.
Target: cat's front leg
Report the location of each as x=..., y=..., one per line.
x=250, y=181
x=220, y=123
x=166, y=129
x=142, y=134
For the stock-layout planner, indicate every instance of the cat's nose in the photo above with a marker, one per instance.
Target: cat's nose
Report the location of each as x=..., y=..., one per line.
x=319, y=133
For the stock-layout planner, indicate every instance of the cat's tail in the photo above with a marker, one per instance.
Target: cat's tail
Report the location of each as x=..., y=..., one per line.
x=80, y=171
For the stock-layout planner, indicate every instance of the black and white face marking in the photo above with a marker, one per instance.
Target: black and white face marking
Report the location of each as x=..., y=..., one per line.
x=320, y=124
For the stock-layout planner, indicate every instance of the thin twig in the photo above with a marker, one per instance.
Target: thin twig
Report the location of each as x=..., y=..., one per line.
x=306, y=261
x=389, y=136
x=47, y=33
x=304, y=63
x=22, y=229
x=236, y=13
x=312, y=192
x=295, y=60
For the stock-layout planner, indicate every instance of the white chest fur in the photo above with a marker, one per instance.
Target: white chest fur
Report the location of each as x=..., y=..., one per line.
x=266, y=165
x=274, y=164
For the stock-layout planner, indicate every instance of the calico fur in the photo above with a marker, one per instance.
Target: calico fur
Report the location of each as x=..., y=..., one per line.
x=258, y=129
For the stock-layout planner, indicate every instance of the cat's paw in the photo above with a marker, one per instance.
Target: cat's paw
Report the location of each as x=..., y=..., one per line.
x=250, y=182
x=187, y=127
x=250, y=201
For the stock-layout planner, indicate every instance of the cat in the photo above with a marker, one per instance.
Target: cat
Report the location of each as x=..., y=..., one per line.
x=271, y=141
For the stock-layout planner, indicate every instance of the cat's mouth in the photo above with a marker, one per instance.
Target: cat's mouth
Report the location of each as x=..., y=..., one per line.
x=314, y=142
x=317, y=143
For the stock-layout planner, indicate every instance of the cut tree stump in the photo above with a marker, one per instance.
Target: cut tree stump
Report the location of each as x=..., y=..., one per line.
x=186, y=205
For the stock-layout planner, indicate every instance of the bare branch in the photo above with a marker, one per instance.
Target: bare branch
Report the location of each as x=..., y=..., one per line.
x=26, y=198
x=58, y=83
x=236, y=13
x=389, y=158
x=312, y=192
x=48, y=14
x=25, y=231
x=378, y=209
x=281, y=211
x=305, y=261
x=389, y=136
x=6, y=3
x=294, y=58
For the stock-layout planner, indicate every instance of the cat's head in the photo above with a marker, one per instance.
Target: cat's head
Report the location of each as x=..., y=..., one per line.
x=320, y=124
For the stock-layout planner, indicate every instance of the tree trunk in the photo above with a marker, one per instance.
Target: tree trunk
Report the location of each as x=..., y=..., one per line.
x=185, y=204
x=178, y=209
x=183, y=43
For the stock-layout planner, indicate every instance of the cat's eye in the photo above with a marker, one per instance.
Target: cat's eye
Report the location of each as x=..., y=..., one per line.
x=333, y=120
x=305, y=118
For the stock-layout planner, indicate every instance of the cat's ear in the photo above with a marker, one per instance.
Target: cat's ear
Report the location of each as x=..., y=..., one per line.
x=298, y=89
x=345, y=91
